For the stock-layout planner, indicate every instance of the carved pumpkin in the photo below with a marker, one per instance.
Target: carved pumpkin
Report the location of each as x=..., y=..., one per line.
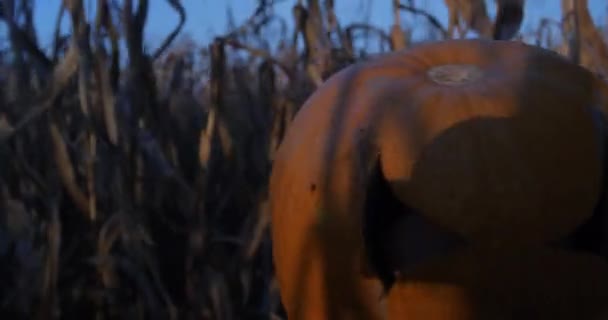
x=484, y=142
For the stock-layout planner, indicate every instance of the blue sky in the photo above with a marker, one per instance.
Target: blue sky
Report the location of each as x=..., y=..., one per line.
x=208, y=17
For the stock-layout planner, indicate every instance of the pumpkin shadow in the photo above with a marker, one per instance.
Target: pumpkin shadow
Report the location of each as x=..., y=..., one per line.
x=540, y=284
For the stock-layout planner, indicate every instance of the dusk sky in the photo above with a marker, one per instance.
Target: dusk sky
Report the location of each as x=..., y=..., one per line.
x=208, y=17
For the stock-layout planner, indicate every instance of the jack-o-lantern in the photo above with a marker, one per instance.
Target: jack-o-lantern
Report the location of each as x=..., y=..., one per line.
x=489, y=144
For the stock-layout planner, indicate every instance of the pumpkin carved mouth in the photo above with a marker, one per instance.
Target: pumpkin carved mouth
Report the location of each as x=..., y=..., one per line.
x=455, y=74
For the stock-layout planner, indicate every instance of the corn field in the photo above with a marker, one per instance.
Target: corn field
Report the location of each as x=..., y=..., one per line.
x=133, y=181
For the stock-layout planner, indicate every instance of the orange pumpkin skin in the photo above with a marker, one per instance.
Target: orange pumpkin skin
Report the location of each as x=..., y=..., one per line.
x=473, y=284
x=500, y=149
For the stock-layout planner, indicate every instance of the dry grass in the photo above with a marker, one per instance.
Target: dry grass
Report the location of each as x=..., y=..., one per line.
x=138, y=190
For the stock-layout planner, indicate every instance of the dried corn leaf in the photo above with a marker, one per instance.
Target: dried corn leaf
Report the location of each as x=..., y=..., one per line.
x=206, y=140
x=108, y=101
x=397, y=38
x=6, y=129
x=66, y=169
x=17, y=220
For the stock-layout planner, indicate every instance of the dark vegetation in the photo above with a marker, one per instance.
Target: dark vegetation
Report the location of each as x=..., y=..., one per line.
x=137, y=190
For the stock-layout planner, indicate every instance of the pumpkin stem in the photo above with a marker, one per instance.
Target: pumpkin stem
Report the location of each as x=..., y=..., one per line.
x=455, y=74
